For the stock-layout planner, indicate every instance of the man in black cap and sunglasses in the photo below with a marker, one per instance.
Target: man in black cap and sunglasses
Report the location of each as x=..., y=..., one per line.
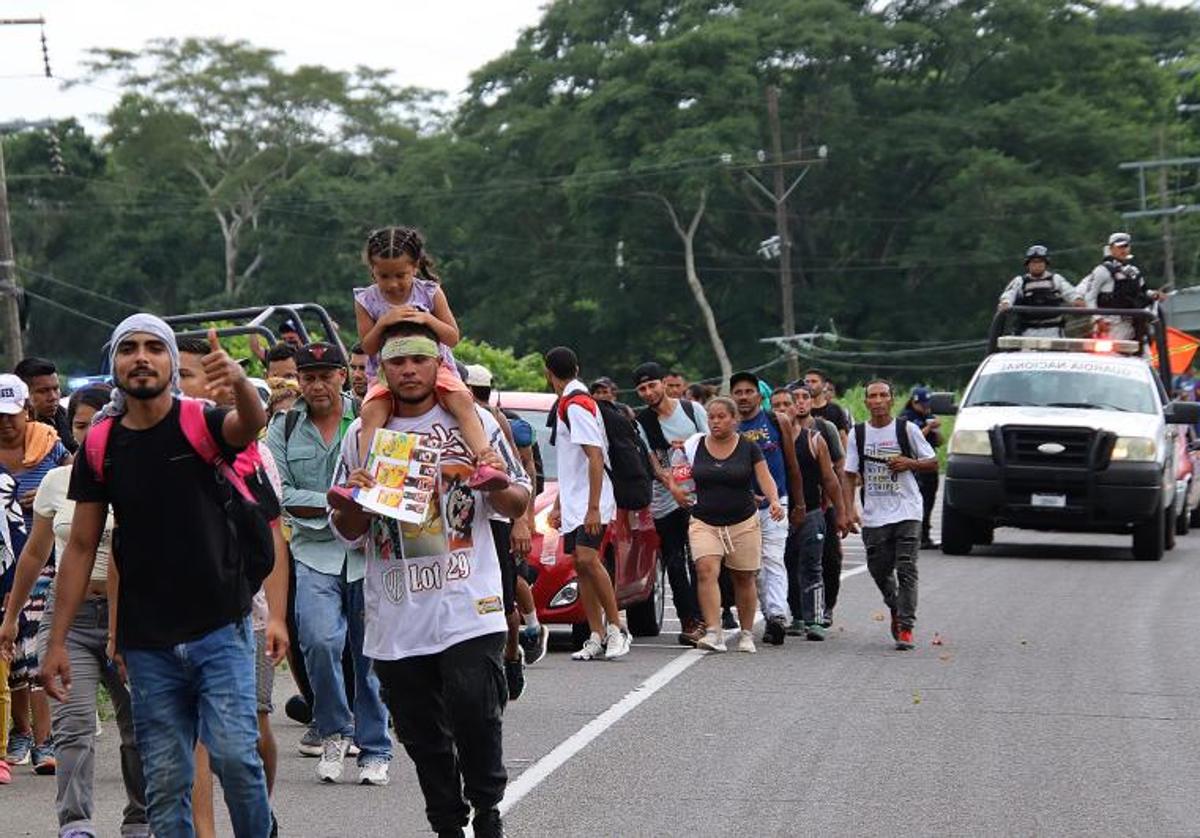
x=1039, y=286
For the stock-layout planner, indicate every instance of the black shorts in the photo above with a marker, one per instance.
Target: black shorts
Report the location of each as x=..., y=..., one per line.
x=579, y=537
x=502, y=535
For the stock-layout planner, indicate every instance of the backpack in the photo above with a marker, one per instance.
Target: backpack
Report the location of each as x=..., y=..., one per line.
x=539, y=477
x=630, y=473
x=652, y=425
x=245, y=492
x=860, y=441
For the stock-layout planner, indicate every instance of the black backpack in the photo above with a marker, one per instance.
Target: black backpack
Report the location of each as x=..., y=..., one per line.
x=629, y=471
x=860, y=441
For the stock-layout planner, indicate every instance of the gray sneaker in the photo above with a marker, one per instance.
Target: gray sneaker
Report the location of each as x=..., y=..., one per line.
x=310, y=743
x=19, y=747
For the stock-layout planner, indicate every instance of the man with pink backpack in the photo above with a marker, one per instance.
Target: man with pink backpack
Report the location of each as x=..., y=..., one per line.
x=192, y=510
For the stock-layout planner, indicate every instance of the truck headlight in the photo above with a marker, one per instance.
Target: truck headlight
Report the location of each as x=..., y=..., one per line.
x=1134, y=448
x=977, y=443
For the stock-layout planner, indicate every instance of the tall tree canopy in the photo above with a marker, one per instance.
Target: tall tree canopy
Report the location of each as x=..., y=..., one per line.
x=555, y=194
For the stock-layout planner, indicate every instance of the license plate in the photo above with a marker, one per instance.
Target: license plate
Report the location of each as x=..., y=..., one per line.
x=1049, y=501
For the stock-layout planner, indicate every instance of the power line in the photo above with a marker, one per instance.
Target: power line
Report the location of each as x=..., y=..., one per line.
x=78, y=288
x=68, y=309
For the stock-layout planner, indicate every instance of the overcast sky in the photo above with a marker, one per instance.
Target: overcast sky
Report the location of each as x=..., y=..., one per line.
x=428, y=43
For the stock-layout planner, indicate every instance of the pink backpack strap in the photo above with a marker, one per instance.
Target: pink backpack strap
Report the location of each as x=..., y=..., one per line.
x=95, y=444
x=195, y=429
x=191, y=420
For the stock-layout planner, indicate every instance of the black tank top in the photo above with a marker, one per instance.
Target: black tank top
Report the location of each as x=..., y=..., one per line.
x=810, y=471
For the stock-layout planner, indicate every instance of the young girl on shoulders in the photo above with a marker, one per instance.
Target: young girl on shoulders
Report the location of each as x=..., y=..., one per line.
x=405, y=288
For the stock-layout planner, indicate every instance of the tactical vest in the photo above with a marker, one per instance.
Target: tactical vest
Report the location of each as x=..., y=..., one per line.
x=1040, y=291
x=1128, y=291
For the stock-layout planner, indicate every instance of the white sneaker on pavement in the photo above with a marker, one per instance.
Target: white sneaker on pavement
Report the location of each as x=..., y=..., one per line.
x=373, y=772
x=746, y=642
x=333, y=758
x=713, y=641
x=617, y=643
x=592, y=650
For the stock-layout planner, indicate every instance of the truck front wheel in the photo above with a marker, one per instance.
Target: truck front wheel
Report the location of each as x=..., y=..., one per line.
x=957, y=531
x=1149, y=537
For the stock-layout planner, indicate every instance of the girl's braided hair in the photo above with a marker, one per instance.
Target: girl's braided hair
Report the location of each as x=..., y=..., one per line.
x=394, y=242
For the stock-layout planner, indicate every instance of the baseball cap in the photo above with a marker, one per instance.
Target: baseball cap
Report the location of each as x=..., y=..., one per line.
x=649, y=371
x=1119, y=239
x=603, y=381
x=288, y=325
x=743, y=375
x=478, y=376
x=13, y=394
x=319, y=355
x=921, y=395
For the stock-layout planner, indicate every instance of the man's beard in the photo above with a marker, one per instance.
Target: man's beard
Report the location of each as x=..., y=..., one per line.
x=145, y=392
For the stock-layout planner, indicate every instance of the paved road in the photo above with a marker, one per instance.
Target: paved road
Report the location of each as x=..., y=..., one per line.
x=1061, y=701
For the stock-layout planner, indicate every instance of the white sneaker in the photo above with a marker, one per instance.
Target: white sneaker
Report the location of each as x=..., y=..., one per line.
x=713, y=641
x=592, y=650
x=617, y=644
x=373, y=772
x=746, y=642
x=333, y=758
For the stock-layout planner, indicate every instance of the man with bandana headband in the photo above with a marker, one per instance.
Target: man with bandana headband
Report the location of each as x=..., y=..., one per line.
x=183, y=624
x=435, y=623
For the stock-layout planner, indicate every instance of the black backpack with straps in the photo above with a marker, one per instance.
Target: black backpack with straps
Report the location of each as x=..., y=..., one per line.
x=860, y=444
x=632, y=480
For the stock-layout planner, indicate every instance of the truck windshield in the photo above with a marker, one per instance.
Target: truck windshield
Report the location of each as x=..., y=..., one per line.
x=1049, y=388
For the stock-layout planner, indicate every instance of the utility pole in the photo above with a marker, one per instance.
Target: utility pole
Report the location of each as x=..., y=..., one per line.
x=781, y=246
x=1163, y=210
x=1168, y=241
x=786, y=291
x=10, y=293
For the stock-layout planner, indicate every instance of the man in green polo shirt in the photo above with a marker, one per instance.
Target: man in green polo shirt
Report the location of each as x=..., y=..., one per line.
x=306, y=443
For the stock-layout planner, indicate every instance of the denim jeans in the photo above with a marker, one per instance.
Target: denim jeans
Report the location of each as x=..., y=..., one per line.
x=204, y=688
x=448, y=709
x=673, y=535
x=329, y=610
x=73, y=725
x=806, y=585
x=892, y=560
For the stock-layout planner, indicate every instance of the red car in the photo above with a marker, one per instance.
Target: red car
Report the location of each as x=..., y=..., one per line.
x=630, y=547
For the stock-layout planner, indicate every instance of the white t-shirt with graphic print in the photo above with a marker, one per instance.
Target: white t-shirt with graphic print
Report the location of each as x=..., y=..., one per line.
x=889, y=499
x=429, y=586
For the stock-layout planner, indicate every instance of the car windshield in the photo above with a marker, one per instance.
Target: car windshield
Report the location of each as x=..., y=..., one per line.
x=537, y=418
x=1095, y=390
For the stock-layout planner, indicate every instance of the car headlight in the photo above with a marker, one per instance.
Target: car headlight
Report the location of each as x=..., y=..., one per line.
x=978, y=443
x=566, y=595
x=1134, y=448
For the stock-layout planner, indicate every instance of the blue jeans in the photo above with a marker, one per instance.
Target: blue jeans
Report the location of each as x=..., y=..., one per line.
x=205, y=687
x=328, y=608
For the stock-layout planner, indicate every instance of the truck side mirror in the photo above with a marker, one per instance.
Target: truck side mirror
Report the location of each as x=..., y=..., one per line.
x=942, y=404
x=1182, y=413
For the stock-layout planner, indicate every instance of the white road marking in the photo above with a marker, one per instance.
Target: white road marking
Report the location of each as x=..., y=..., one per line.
x=535, y=774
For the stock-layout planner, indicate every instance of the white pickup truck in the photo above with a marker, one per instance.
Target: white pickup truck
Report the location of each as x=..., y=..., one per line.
x=1063, y=434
